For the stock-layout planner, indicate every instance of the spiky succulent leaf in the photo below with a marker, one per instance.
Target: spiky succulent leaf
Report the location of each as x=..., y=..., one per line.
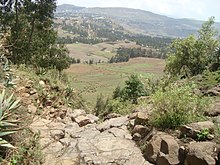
x=6, y=133
x=4, y=143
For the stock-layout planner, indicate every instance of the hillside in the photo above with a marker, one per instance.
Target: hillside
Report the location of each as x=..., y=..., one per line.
x=138, y=21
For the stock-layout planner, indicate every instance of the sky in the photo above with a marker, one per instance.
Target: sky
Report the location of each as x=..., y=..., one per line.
x=194, y=9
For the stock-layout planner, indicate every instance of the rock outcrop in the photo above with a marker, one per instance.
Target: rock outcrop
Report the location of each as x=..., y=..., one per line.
x=100, y=144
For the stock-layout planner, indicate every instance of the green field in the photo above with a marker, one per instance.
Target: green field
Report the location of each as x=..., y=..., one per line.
x=91, y=80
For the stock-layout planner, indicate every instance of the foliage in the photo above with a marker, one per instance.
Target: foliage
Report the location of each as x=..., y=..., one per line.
x=100, y=105
x=104, y=107
x=117, y=93
x=133, y=89
x=8, y=105
x=177, y=104
x=6, y=74
x=58, y=89
x=124, y=54
x=29, y=149
x=5, y=71
x=32, y=38
x=191, y=56
x=203, y=134
x=117, y=106
x=207, y=80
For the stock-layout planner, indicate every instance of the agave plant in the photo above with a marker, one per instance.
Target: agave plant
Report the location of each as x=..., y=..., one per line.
x=7, y=106
x=8, y=82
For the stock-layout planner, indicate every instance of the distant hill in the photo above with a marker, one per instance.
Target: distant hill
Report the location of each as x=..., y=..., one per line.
x=68, y=8
x=140, y=21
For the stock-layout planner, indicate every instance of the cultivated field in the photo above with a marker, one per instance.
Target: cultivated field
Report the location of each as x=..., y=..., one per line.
x=92, y=80
x=98, y=52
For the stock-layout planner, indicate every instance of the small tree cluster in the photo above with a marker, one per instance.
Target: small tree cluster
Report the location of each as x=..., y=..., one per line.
x=32, y=38
x=133, y=89
x=193, y=55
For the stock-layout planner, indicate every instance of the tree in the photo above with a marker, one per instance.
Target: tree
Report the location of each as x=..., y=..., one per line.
x=191, y=56
x=134, y=89
x=100, y=105
x=33, y=39
x=116, y=92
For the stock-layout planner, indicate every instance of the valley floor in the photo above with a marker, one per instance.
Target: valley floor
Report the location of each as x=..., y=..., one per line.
x=91, y=80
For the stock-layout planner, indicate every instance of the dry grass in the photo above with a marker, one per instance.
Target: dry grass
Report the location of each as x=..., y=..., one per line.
x=98, y=52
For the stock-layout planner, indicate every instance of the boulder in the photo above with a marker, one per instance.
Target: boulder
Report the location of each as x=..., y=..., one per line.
x=57, y=134
x=92, y=118
x=217, y=120
x=191, y=130
x=169, y=151
x=141, y=119
x=132, y=116
x=201, y=153
x=136, y=137
x=42, y=83
x=213, y=92
x=215, y=111
x=114, y=122
x=76, y=113
x=112, y=115
x=82, y=120
x=32, y=109
x=140, y=129
x=162, y=149
x=32, y=91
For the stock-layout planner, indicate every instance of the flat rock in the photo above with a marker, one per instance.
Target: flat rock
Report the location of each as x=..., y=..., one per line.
x=105, y=149
x=76, y=113
x=92, y=118
x=115, y=122
x=83, y=120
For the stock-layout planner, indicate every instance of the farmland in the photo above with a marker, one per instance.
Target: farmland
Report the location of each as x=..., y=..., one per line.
x=98, y=52
x=91, y=80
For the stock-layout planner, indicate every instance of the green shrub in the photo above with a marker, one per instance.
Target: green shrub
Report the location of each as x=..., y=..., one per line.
x=117, y=106
x=208, y=79
x=104, y=107
x=28, y=152
x=203, y=134
x=100, y=105
x=133, y=89
x=177, y=105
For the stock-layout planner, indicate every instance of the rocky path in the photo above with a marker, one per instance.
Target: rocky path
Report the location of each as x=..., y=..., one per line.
x=80, y=141
x=72, y=137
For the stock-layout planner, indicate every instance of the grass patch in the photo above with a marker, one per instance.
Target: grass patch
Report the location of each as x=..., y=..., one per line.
x=177, y=105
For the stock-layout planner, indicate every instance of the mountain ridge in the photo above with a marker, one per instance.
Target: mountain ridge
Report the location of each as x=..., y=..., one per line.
x=140, y=21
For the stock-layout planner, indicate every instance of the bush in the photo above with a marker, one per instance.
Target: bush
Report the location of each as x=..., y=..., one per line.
x=117, y=106
x=100, y=105
x=133, y=89
x=177, y=105
x=208, y=79
x=104, y=107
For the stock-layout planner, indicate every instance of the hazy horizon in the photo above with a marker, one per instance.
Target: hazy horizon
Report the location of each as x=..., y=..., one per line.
x=197, y=9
